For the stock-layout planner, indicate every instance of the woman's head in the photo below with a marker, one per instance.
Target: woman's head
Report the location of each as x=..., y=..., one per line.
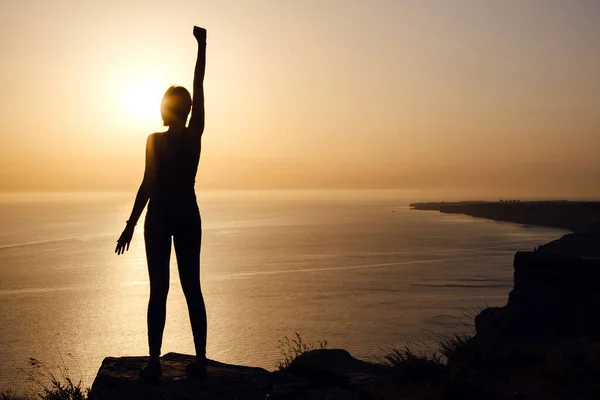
x=176, y=105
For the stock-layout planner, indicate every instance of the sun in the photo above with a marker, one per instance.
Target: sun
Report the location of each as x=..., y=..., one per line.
x=142, y=100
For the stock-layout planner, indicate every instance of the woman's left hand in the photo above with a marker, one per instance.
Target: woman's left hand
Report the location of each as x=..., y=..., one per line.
x=124, y=239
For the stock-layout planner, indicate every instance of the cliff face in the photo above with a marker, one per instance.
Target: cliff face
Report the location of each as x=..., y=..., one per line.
x=556, y=294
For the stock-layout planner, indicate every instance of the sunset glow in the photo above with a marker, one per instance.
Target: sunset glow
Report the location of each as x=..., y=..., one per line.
x=458, y=96
x=142, y=100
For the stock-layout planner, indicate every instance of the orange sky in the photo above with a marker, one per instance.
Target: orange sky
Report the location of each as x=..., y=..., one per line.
x=480, y=97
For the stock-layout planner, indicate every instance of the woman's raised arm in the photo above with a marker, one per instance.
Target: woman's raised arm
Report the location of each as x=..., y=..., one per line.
x=196, y=125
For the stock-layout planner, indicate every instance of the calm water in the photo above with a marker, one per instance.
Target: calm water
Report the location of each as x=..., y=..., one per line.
x=356, y=268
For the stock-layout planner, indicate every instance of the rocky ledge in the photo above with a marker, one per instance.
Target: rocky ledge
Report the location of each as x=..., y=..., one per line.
x=317, y=374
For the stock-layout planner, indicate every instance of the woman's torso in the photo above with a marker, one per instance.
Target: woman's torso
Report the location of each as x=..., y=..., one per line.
x=175, y=162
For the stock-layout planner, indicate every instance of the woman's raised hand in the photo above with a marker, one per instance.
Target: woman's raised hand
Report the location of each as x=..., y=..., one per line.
x=200, y=34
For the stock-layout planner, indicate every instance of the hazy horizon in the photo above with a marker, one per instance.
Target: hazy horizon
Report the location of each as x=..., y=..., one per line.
x=466, y=99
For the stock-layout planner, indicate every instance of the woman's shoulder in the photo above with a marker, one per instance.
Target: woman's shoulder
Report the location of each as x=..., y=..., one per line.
x=153, y=137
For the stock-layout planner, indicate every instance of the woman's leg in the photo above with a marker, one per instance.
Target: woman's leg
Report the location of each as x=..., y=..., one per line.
x=187, y=238
x=158, y=253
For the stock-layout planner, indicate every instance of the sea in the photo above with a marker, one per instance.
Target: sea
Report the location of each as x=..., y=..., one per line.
x=358, y=269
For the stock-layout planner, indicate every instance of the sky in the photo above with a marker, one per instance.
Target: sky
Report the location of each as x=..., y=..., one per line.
x=474, y=97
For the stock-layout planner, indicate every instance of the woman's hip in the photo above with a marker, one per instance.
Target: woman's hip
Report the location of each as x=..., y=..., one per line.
x=172, y=221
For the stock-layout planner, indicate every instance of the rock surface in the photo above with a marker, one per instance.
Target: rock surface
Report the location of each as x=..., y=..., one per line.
x=317, y=374
x=118, y=379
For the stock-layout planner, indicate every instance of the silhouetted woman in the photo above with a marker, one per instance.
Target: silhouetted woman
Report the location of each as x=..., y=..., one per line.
x=171, y=164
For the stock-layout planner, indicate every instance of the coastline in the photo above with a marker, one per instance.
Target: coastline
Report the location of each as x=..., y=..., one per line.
x=574, y=216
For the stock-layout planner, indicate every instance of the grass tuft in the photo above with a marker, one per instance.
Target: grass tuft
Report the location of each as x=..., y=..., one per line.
x=291, y=349
x=51, y=386
x=449, y=346
x=64, y=391
x=412, y=365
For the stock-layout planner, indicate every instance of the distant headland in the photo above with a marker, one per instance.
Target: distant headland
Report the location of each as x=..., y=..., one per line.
x=576, y=216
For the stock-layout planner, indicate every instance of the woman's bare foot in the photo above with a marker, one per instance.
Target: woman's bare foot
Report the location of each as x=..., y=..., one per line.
x=197, y=368
x=152, y=371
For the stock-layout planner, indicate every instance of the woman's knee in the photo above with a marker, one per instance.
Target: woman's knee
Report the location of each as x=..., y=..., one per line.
x=191, y=290
x=159, y=294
